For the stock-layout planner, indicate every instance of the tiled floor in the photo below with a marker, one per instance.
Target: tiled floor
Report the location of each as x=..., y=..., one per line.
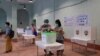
x=19, y=50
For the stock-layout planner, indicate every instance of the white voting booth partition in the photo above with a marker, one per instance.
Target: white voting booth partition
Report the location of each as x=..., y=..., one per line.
x=26, y=35
x=77, y=33
x=20, y=30
x=89, y=33
x=28, y=32
x=84, y=35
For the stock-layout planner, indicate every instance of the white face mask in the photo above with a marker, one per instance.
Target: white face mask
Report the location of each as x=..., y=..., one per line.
x=46, y=23
x=56, y=25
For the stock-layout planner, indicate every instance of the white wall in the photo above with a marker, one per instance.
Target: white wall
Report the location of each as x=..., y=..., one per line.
x=58, y=9
x=90, y=8
x=71, y=11
x=7, y=6
x=43, y=10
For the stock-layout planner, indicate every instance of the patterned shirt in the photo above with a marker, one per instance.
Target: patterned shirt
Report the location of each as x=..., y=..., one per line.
x=45, y=27
x=59, y=31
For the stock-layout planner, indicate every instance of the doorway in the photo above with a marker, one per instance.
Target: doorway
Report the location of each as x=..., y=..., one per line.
x=22, y=18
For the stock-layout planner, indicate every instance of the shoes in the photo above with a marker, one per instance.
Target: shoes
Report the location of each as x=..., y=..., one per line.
x=8, y=51
x=60, y=52
x=51, y=53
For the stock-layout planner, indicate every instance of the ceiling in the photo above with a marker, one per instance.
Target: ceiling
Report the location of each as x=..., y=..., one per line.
x=22, y=1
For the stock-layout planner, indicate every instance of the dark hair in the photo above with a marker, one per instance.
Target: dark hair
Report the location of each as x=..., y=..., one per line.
x=21, y=23
x=46, y=21
x=58, y=22
x=11, y=25
x=7, y=23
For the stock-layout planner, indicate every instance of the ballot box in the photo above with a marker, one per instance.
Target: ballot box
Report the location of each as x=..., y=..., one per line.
x=48, y=37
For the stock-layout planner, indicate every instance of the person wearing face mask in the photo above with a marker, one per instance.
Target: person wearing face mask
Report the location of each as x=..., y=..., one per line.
x=46, y=27
x=60, y=35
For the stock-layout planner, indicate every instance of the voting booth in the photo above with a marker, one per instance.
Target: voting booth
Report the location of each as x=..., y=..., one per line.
x=20, y=30
x=28, y=32
x=89, y=33
x=48, y=37
x=28, y=37
x=25, y=36
x=77, y=33
x=84, y=35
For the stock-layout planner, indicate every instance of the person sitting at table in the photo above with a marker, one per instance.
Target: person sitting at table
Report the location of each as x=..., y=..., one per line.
x=60, y=34
x=44, y=28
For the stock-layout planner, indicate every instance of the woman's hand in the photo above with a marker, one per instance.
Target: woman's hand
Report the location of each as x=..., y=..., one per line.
x=61, y=31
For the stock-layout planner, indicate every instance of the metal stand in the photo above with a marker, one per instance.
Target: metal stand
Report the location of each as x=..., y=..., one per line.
x=86, y=48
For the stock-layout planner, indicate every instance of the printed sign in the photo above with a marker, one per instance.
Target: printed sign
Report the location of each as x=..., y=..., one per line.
x=68, y=21
x=82, y=20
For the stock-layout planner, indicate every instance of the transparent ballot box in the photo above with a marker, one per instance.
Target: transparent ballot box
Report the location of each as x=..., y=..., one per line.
x=48, y=37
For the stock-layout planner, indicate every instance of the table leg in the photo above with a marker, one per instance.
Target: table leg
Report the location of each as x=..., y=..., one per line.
x=37, y=51
x=72, y=46
x=94, y=46
x=47, y=53
x=24, y=42
x=62, y=52
x=86, y=50
x=33, y=41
